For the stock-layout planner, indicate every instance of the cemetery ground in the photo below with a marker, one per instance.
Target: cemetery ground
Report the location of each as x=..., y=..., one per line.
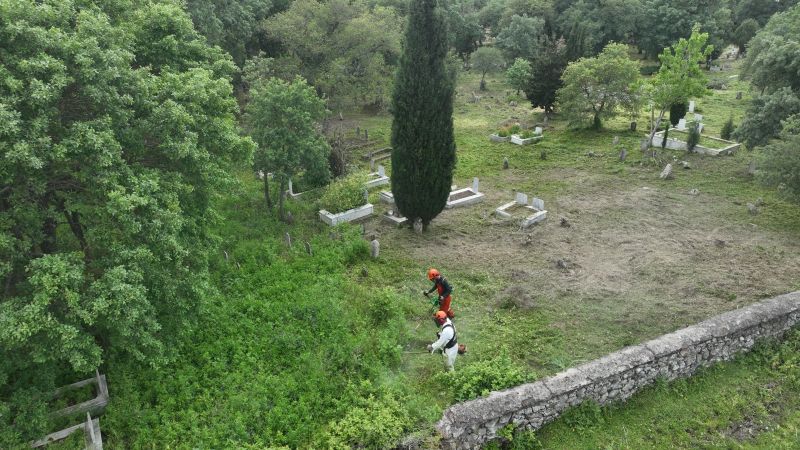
x=306, y=350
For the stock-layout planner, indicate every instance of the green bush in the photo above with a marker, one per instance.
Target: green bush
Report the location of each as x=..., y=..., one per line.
x=694, y=136
x=344, y=193
x=527, y=134
x=378, y=422
x=727, y=129
x=504, y=132
x=479, y=378
x=515, y=129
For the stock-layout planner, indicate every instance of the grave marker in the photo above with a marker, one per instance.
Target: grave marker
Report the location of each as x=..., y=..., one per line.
x=521, y=199
x=682, y=124
x=537, y=130
x=691, y=106
x=538, y=203
x=375, y=248
x=475, y=184
x=615, y=141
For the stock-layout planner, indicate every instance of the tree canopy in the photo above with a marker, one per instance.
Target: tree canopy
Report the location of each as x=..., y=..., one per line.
x=117, y=131
x=283, y=119
x=424, y=150
x=680, y=76
x=594, y=88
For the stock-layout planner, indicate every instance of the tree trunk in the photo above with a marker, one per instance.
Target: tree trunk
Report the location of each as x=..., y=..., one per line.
x=73, y=218
x=655, y=126
x=266, y=192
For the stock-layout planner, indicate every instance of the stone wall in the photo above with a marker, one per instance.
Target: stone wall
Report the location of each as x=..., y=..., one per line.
x=619, y=375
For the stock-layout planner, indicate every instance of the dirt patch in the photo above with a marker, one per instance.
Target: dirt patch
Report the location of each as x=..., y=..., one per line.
x=515, y=297
x=460, y=195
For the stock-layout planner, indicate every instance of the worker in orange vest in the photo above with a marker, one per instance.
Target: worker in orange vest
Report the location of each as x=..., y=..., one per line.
x=444, y=289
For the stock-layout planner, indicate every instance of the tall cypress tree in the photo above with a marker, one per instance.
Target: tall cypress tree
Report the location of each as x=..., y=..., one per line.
x=424, y=151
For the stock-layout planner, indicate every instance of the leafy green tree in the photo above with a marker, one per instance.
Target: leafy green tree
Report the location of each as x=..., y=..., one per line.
x=664, y=22
x=595, y=88
x=345, y=49
x=546, y=69
x=763, y=119
x=743, y=33
x=486, y=60
x=518, y=74
x=117, y=132
x=780, y=160
x=233, y=25
x=760, y=10
x=424, y=150
x=773, y=57
x=464, y=29
x=680, y=76
x=489, y=15
x=522, y=38
x=283, y=119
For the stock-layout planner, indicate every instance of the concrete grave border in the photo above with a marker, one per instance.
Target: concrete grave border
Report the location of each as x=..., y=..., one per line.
x=676, y=144
x=346, y=216
x=378, y=178
x=475, y=196
x=521, y=202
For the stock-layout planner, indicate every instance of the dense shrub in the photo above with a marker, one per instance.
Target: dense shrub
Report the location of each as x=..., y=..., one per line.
x=694, y=136
x=479, y=378
x=727, y=129
x=374, y=423
x=345, y=193
x=274, y=356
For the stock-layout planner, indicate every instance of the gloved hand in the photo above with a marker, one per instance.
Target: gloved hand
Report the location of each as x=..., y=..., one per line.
x=425, y=293
x=441, y=298
x=429, y=347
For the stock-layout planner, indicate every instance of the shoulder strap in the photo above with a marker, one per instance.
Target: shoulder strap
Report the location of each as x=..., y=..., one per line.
x=452, y=342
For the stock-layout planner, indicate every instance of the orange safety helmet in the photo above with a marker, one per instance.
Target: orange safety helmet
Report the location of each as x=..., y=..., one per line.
x=432, y=273
x=440, y=317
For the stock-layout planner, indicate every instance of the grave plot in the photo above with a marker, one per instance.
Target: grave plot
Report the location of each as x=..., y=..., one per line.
x=531, y=214
x=346, y=216
x=708, y=145
x=290, y=192
x=96, y=406
x=525, y=139
x=378, y=178
x=464, y=197
x=376, y=156
x=394, y=217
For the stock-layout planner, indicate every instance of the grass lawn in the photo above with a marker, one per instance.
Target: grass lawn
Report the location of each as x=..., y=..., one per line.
x=643, y=257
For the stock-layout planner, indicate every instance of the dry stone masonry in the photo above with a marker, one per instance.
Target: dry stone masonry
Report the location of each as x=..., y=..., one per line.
x=618, y=376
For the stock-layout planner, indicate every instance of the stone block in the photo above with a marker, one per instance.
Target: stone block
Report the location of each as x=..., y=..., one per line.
x=566, y=381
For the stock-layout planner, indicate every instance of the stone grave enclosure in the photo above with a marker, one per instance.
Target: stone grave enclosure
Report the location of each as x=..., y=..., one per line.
x=533, y=212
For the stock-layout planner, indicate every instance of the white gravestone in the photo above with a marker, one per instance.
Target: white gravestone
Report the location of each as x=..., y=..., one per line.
x=381, y=171
x=521, y=199
x=538, y=131
x=698, y=117
x=538, y=204
x=691, y=106
x=475, y=185
x=682, y=124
